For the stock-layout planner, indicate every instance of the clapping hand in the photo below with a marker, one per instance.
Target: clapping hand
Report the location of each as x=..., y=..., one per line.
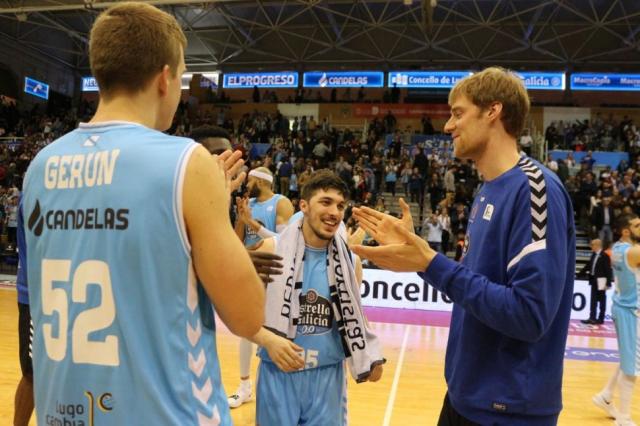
x=382, y=226
x=232, y=163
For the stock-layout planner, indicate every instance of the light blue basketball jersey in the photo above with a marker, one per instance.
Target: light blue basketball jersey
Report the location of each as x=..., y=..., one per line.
x=264, y=212
x=123, y=334
x=626, y=277
x=317, y=330
x=295, y=217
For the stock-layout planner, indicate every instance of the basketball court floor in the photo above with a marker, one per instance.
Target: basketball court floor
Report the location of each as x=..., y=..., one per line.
x=412, y=387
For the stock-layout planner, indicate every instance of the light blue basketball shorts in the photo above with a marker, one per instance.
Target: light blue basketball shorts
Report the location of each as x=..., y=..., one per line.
x=312, y=397
x=626, y=322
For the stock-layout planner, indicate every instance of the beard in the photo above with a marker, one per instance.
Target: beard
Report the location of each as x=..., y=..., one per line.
x=318, y=232
x=254, y=192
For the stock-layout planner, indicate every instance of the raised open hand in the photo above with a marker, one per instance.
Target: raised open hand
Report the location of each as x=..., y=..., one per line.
x=382, y=226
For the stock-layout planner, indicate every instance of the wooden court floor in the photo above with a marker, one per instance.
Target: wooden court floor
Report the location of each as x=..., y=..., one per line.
x=410, y=392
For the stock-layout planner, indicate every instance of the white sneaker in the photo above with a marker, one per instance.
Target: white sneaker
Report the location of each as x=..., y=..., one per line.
x=242, y=395
x=606, y=406
x=624, y=422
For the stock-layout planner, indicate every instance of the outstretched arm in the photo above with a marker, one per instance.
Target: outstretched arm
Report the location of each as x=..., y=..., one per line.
x=206, y=202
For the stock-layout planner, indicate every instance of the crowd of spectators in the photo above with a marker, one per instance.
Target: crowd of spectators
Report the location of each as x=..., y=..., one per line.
x=601, y=133
x=599, y=194
x=440, y=187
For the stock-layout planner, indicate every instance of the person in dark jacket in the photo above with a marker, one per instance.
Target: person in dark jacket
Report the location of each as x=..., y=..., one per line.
x=598, y=269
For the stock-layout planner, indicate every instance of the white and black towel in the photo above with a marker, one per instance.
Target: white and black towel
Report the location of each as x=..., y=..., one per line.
x=361, y=347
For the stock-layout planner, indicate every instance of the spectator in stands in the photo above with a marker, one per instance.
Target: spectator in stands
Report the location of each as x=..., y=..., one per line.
x=460, y=218
x=305, y=176
x=284, y=172
x=588, y=188
x=321, y=152
x=416, y=186
x=588, y=160
x=436, y=190
x=626, y=187
x=450, y=179
x=563, y=170
x=390, y=122
x=391, y=176
x=325, y=127
x=526, y=142
x=552, y=137
x=303, y=125
x=444, y=219
x=421, y=161
x=427, y=125
x=603, y=219
x=377, y=166
x=432, y=231
x=12, y=220
x=405, y=176
x=312, y=124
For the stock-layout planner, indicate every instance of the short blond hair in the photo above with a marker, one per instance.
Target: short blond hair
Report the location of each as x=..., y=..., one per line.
x=496, y=84
x=130, y=43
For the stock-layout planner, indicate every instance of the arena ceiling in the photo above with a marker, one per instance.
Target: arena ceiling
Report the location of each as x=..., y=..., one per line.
x=585, y=35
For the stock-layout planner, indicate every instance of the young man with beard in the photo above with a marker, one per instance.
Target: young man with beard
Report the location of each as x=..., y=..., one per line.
x=260, y=216
x=315, y=320
x=626, y=268
x=513, y=289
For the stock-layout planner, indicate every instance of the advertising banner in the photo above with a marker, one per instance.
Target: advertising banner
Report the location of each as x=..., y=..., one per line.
x=272, y=80
x=343, y=79
x=36, y=88
x=386, y=289
x=426, y=79
x=543, y=80
x=607, y=82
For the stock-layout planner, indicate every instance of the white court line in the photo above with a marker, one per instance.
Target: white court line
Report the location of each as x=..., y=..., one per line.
x=396, y=379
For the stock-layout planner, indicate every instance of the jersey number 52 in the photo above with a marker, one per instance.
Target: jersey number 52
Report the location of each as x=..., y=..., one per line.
x=55, y=300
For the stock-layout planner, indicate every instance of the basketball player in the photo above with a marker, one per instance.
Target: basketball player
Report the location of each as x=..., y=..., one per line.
x=626, y=268
x=512, y=291
x=314, y=315
x=216, y=141
x=214, y=138
x=262, y=215
x=23, y=403
x=123, y=221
